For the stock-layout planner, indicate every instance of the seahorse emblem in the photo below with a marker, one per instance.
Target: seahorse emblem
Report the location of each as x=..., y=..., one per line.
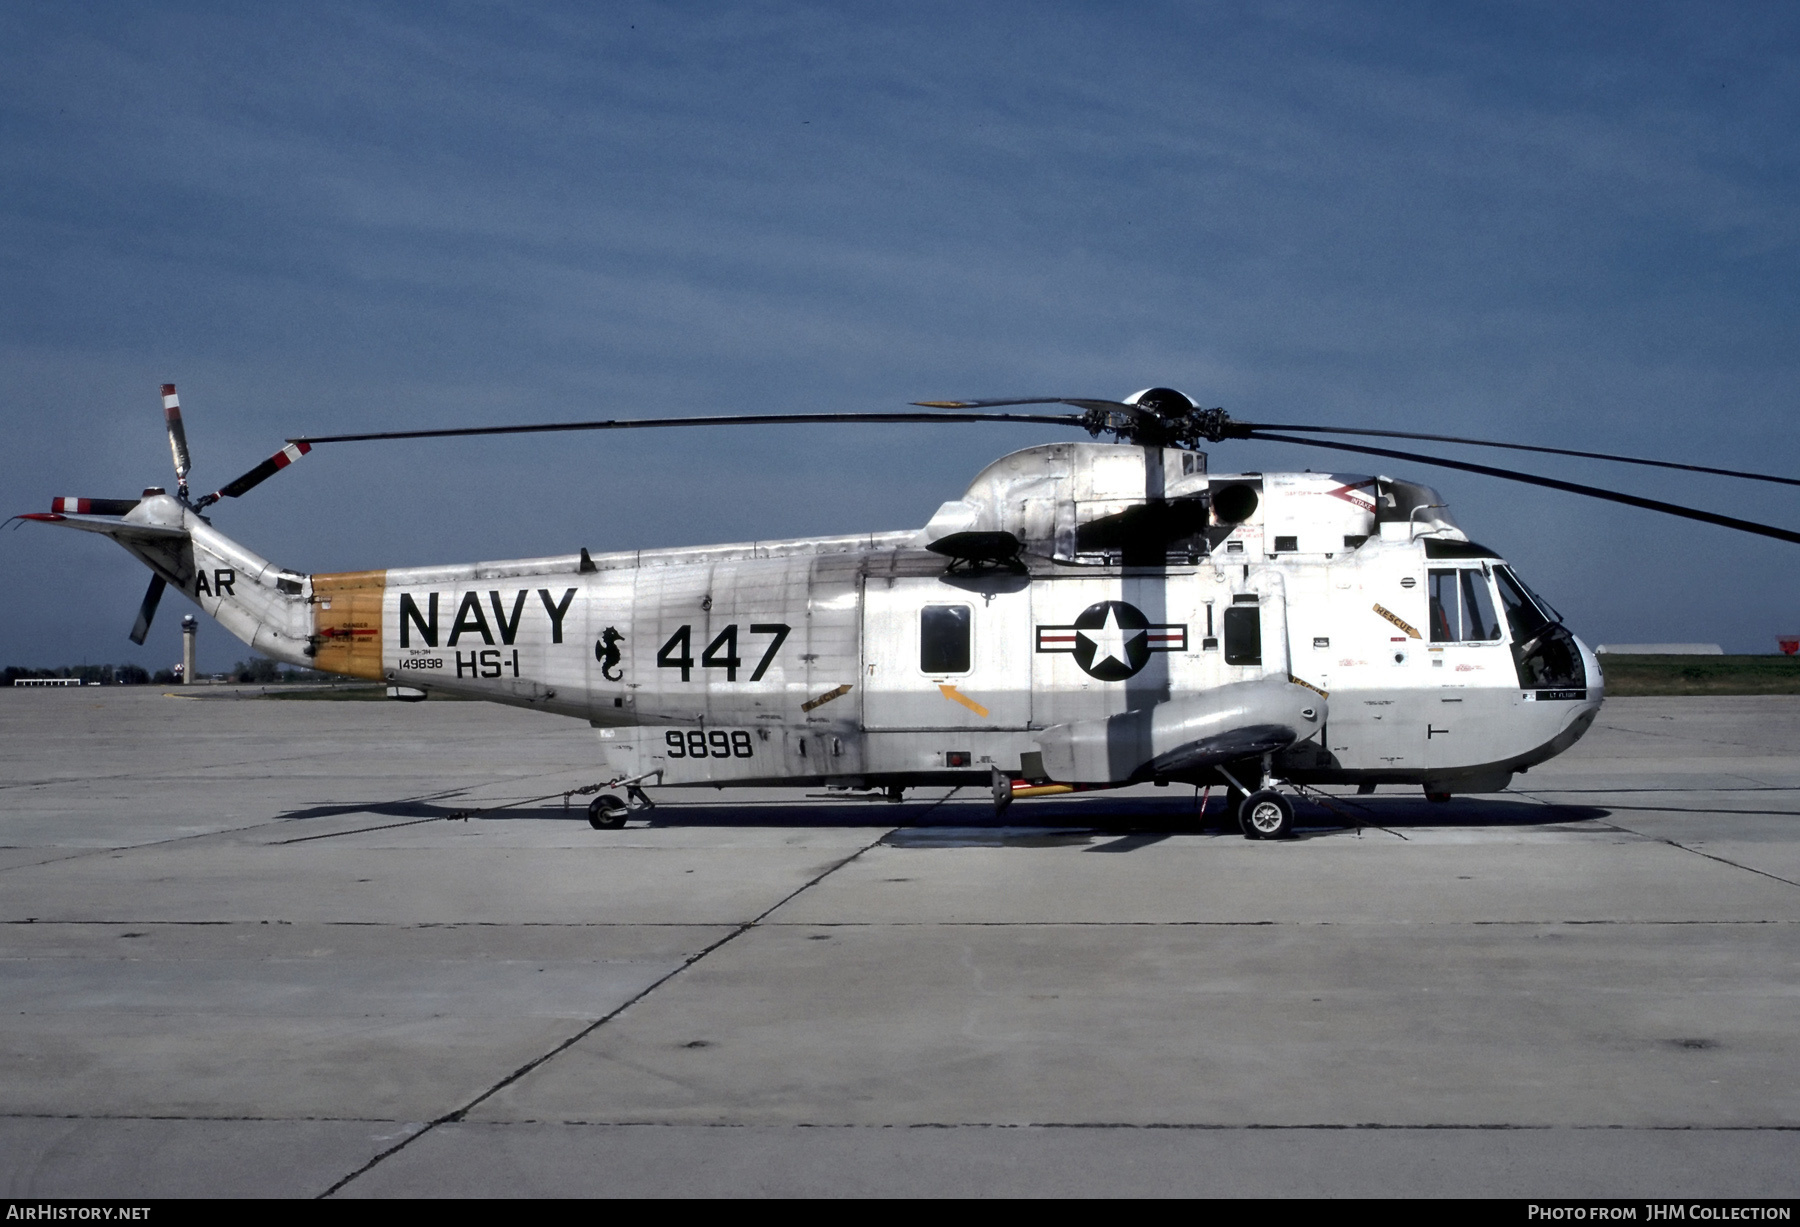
x=606, y=651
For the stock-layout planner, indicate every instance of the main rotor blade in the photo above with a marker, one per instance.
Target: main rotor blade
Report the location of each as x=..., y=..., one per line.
x=147, y=611
x=1102, y=405
x=1552, y=483
x=178, y=447
x=745, y=419
x=261, y=473
x=1525, y=447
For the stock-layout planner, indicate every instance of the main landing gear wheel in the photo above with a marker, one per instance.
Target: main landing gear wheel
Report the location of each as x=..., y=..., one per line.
x=1266, y=815
x=606, y=812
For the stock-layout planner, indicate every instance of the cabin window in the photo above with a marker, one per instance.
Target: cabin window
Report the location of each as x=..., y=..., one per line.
x=1462, y=610
x=944, y=639
x=1243, y=635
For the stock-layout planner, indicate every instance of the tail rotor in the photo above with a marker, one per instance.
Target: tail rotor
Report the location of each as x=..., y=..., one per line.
x=109, y=515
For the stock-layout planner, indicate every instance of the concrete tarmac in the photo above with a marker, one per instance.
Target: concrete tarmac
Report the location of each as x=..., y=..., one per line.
x=247, y=947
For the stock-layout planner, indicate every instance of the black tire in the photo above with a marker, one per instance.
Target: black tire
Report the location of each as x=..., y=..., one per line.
x=606, y=812
x=1266, y=815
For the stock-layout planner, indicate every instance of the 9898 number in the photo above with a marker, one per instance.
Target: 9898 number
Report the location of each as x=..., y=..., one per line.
x=709, y=743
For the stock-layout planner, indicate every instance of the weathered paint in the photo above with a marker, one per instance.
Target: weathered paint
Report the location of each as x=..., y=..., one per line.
x=801, y=661
x=347, y=620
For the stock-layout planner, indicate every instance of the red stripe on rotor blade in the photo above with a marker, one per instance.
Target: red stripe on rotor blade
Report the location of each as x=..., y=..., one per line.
x=267, y=469
x=94, y=506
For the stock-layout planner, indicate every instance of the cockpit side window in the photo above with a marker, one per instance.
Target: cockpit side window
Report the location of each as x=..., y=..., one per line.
x=1461, y=609
x=1479, y=620
x=1446, y=626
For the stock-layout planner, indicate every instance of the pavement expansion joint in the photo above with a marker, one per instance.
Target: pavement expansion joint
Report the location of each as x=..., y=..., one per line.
x=1530, y=994
x=1153, y=1126
x=1674, y=843
x=462, y=1112
x=228, y=1118
x=1688, y=809
x=259, y=824
x=1528, y=923
x=1618, y=792
x=1675, y=735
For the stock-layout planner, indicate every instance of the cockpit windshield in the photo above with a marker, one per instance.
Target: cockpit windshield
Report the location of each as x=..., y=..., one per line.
x=1522, y=612
x=1544, y=650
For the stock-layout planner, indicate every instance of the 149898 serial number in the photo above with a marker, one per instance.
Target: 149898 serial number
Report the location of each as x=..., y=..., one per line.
x=709, y=743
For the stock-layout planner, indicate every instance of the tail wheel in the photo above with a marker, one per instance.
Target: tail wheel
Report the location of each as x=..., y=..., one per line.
x=1266, y=815
x=606, y=812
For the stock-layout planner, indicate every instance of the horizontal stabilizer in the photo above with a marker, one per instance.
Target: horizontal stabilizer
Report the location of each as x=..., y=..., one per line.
x=111, y=526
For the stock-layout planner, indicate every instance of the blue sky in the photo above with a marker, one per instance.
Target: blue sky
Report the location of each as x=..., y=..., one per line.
x=1573, y=225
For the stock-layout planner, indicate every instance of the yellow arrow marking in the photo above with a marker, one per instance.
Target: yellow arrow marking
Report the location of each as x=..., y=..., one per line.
x=951, y=693
x=1397, y=621
x=827, y=697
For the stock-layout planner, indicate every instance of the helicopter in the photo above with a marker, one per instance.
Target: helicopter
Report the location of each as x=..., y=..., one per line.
x=1087, y=615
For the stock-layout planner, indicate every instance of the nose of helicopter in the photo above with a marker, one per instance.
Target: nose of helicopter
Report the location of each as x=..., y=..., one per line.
x=1596, y=678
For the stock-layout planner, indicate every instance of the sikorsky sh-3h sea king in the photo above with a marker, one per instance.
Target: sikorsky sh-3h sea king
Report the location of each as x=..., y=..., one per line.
x=1086, y=615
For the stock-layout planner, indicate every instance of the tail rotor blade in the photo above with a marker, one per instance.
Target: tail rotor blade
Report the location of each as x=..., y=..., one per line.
x=178, y=446
x=147, y=611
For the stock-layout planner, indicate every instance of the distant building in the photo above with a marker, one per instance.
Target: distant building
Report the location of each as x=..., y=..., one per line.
x=1659, y=649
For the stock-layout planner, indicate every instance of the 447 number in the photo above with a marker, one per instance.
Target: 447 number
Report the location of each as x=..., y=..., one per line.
x=722, y=652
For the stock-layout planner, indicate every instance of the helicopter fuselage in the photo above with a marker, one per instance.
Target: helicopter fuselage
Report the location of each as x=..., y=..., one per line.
x=1346, y=626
